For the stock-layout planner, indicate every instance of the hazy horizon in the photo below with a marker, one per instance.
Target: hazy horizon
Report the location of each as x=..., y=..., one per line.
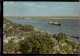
x=41, y=8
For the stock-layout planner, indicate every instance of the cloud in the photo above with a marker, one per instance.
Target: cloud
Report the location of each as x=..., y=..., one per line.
x=39, y=8
x=35, y=5
x=30, y=4
x=64, y=8
x=8, y=3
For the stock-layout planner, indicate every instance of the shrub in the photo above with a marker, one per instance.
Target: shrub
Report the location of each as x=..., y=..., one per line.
x=36, y=44
x=66, y=48
x=10, y=47
x=17, y=26
x=28, y=27
x=61, y=36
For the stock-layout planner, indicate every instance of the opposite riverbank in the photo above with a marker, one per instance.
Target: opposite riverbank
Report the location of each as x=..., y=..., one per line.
x=45, y=17
x=14, y=33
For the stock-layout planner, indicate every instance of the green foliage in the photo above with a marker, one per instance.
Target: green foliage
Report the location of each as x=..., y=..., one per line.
x=58, y=52
x=60, y=36
x=36, y=44
x=16, y=26
x=10, y=47
x=73, y=44
x=13, y=29
x=60, y=46
x=27, y=28
x=66, y=48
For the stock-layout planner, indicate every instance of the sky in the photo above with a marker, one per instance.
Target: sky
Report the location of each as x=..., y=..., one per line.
x=41, y=8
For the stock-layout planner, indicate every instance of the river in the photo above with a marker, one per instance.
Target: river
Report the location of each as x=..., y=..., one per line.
x=69, y=26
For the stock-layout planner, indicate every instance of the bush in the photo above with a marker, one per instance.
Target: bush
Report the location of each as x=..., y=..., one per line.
x=28, y=27
x=66, y=48
x=36, y=44
x=10, y=47
x=17, y=26
x=60, y=37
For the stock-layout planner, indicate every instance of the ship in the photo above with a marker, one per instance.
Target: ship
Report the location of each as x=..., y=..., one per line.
x=55, y=23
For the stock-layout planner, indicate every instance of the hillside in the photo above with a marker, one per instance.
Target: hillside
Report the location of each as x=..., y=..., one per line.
x=24, y=39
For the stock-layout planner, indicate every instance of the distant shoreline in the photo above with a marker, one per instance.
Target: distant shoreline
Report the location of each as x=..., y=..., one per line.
x=45, y=17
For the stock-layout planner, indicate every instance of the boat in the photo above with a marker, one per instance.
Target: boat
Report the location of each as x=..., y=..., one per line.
x=55, y=23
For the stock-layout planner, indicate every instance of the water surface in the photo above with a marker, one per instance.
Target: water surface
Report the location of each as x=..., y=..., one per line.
x=69, y=26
